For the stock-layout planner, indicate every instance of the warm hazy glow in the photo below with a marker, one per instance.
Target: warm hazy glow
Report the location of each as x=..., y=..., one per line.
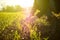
x=1, y=7
x=22, y=3
x=26, y=3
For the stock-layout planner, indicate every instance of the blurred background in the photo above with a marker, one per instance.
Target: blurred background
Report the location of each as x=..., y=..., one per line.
x=29, y=20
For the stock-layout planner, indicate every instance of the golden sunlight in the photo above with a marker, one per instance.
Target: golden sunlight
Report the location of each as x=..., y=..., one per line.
x=26, y=3
x=22, y=3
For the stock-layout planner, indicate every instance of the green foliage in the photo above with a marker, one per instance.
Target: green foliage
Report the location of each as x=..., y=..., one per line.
x=10, y=27
x=7, y=19
x=16, y=36
x=34, y=35
x=46, y=38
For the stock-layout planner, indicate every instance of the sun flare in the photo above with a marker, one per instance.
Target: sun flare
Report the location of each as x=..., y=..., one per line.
x=22, y=3
x=26, y=3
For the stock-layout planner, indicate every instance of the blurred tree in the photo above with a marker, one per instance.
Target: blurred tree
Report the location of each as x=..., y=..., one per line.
x=18, y=8
x=9, y=9
x=57, y=6
x=46, y=9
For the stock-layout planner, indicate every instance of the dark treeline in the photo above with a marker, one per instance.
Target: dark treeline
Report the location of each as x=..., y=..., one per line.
x=11, y=8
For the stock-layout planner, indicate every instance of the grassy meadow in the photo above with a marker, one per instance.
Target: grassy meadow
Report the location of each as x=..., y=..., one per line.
x=12, y=29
